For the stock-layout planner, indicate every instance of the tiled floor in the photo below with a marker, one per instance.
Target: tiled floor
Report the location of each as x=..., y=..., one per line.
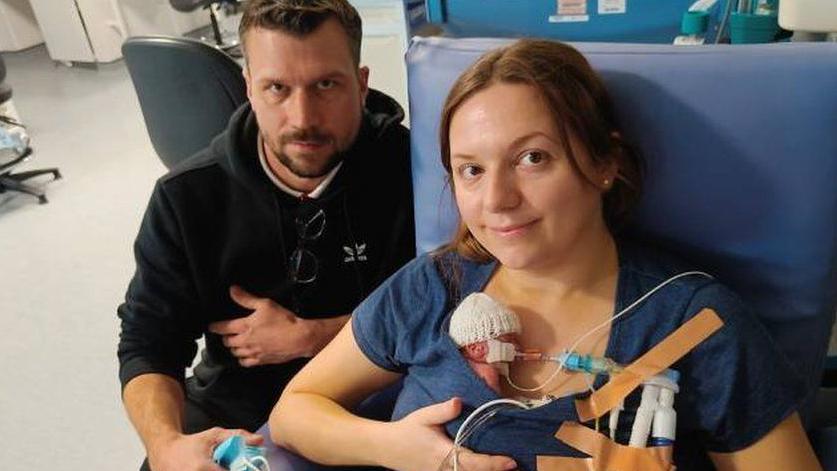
x=64, y=266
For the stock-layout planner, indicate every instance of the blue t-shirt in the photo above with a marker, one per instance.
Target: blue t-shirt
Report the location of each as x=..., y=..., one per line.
x=734, y=387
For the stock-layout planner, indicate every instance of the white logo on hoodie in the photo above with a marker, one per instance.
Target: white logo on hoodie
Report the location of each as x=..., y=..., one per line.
x=355, y=254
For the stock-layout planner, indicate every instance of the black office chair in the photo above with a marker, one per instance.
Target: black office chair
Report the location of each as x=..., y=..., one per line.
x=187, y=91
x=15, y=181
x=187, y=6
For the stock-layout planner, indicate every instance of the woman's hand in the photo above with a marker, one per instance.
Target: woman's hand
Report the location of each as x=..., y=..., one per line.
x=419, y=443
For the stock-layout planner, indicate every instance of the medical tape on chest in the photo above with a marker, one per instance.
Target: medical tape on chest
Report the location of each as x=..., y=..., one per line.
x=564, y=463
x=661, y=356
x=605, y=455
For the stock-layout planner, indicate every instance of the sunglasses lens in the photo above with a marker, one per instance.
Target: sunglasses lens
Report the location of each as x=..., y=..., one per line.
x=310, y=225
x=303, y=266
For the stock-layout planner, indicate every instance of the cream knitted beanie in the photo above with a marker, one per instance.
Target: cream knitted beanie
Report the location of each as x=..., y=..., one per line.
x=479, y=317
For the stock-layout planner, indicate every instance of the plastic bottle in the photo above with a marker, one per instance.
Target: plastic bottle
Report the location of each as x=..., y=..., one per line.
x=233, y=454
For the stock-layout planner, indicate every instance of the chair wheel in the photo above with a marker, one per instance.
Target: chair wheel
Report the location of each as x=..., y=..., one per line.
x=56, y=175
x=42, y=199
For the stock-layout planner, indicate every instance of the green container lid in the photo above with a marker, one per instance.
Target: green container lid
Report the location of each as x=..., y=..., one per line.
x=694, y=22
x=746, y=28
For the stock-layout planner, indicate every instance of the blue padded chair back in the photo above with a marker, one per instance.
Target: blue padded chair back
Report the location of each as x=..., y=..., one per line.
x=741, y=146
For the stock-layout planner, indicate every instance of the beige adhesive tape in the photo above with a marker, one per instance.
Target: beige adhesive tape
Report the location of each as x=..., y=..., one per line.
x=606, y=455
x=563, y=463
x=663, y=355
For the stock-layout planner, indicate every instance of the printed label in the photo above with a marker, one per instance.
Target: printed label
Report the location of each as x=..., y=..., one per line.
x=572, y=7
x=612, y=7
x=568, y=18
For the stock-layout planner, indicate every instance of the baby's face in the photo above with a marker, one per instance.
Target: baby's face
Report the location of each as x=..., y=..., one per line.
x=477, y=351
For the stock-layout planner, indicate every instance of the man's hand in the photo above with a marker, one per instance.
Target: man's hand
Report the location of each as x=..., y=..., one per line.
x=272, y=334
x=194, y=452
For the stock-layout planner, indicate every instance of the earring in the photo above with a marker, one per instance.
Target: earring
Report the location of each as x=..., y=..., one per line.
x=606, y=182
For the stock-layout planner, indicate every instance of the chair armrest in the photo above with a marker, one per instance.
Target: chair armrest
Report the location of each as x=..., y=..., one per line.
x=281, y=459
x=187, y=6
x=829, y=374
x=824, y=442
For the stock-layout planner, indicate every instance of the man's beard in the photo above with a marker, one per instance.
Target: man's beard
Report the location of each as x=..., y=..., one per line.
x=296, y=166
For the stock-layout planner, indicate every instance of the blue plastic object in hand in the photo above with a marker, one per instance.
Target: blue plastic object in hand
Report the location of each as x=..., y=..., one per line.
x=233, y=454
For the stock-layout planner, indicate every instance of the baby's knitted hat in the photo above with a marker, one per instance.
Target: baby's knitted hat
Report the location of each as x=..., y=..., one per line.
x=479, y=317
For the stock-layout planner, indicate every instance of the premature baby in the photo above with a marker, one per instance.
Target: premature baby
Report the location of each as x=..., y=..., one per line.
x=486, y=333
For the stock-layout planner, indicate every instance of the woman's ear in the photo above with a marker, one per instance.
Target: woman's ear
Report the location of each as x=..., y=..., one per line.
x=608, y=177
x=608, y=171
x=600, y=171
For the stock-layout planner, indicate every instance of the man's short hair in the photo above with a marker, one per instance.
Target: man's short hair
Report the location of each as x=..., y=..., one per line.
x=301, y=17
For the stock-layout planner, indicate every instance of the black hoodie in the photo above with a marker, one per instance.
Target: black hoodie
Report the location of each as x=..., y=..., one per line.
x=217, y=220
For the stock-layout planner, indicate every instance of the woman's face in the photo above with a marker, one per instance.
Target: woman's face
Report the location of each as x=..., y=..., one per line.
x=517, y=190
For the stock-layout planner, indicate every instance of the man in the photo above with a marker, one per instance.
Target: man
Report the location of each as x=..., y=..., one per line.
x=264, y=242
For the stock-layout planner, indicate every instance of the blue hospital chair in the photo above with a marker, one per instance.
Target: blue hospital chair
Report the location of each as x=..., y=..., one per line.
x=741, y=147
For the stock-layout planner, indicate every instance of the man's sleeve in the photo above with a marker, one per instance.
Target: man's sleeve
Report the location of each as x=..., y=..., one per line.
x=160, y=318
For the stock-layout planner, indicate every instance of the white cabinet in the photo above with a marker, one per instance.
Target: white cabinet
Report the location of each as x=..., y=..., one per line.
x=80, y=30
x=384, y=45
x=18, y=28
x=93, y=30
x=63, y=30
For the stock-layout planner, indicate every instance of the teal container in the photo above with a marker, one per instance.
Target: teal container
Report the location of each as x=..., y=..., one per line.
x=747, y=28
x=694, y=22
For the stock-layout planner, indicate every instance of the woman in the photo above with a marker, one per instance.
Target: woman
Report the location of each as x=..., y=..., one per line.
x=543, y=182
